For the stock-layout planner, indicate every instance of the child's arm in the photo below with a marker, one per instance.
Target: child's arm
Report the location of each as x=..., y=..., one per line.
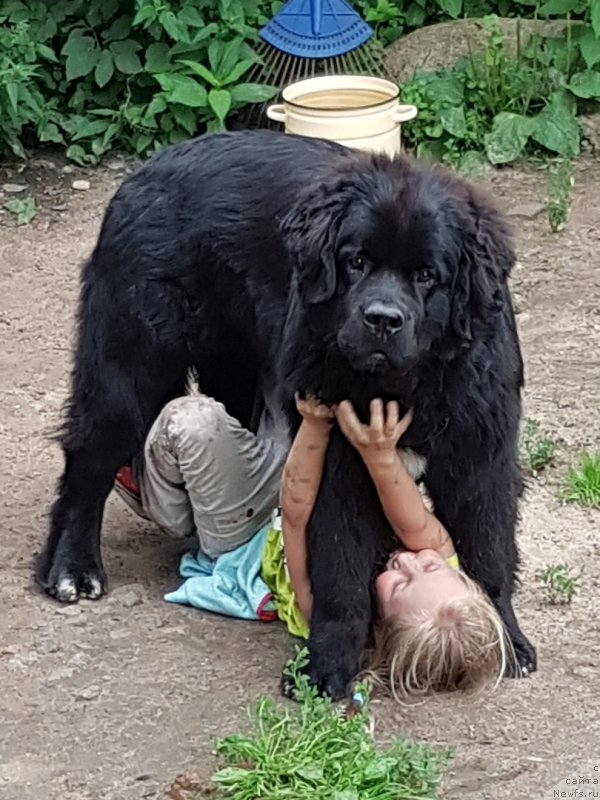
x=301, y=480
x=415, y=526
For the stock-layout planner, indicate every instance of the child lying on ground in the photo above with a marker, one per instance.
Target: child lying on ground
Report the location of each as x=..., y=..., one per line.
x=203, y=473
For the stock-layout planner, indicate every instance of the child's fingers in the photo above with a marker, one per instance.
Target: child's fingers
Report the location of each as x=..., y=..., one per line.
x=349, y=423
x=404, y=423
x=391, y=418
x=376, y=408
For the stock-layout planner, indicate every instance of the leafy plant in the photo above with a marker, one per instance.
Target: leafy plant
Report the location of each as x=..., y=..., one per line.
x=135, y=75
x=583, y=481
x=506, y=106
x=537, y=449
x=311, y=752
x=560, y=583
x=23, y=210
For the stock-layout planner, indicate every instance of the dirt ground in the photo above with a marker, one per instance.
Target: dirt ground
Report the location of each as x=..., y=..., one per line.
x=110, y=700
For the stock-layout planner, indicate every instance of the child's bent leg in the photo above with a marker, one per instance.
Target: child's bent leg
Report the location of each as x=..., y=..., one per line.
x=203, y=472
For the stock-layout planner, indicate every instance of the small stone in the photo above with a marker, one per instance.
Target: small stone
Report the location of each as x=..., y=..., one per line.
x=14, y=188
x=80, y=186
x=45, y=163
x=59, y=208
x=128, y=596
x=89, y=693
x=58, y=675
x=116, y=164
x=585, y=672
x=68, y=169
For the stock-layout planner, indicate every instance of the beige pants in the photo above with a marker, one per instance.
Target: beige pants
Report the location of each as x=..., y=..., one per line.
x=203, y=473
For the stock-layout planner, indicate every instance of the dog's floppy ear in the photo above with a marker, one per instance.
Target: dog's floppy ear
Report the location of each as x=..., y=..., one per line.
x=310, y=231
x=486, y=257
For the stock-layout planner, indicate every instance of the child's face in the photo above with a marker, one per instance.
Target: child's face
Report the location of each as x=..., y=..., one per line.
x=416, y=583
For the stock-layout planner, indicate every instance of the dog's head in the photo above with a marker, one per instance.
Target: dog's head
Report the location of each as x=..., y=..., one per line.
x=394, y=260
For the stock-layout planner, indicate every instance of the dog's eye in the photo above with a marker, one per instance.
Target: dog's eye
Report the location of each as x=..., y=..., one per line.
x=357, y=263
x=425, y=276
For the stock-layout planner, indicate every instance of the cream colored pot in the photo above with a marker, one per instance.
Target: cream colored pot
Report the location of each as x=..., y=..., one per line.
x=355, y=110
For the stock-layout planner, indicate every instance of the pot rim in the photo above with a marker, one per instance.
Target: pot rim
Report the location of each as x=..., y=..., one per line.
x=346, y=82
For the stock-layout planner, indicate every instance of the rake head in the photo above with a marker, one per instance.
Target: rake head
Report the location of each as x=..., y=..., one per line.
x=316, y=29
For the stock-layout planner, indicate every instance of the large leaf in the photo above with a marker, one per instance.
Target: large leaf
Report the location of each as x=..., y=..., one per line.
x=446, y=90
x=171, y=25
x=595, y=16
x=12, y=90
x=126, y=58
x=451, y=7
x=191, y=16
x=105, y=68
x=120, y=29
x=589, y=44
x=157, y=57
x=182, y=89
x=556, y=127
x=224, y=56
x=82, y=54
x=454, y=121
x=252, y=93
x=586, y=84
x=241, y=68
x=186, y=117
x=508, y=137
x=202, y=71
x=561, y=7
x=415, y=15
x=220, y=102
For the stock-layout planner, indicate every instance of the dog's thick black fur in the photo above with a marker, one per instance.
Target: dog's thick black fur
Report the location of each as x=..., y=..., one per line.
x=265, y=260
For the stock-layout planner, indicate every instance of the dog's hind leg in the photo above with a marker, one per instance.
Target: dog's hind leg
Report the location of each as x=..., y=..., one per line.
x=125, y=369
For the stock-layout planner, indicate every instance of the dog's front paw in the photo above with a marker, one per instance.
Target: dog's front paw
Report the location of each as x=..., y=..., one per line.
x=330, y=677
x=524, y=661
x=68, y=582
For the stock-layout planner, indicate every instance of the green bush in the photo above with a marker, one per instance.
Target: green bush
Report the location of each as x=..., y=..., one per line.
x=92, y=75
x=134, y=75
x=505, y=106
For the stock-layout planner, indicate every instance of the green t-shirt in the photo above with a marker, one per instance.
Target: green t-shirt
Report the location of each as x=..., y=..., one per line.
x=275, y=575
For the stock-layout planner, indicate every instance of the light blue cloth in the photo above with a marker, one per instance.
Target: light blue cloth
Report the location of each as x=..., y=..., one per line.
x=231, y=584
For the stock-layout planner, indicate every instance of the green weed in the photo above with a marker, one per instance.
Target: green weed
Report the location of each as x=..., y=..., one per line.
x=537, y=450
x=560, y=583
x=23, y=210
x=560, y=183
x=582, y=483
x=311, y=752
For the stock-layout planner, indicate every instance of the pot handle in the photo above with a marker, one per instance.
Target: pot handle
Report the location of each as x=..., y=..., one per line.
x=276, y=112
x=404, y=113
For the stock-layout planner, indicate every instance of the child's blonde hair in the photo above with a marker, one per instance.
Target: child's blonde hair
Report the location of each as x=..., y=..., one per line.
x=463, y=646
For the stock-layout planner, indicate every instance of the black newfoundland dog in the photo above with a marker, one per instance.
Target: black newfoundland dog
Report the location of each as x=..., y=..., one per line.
x=274, y=261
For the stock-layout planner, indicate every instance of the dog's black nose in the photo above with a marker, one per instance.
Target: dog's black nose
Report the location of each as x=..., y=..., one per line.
x=383, y=319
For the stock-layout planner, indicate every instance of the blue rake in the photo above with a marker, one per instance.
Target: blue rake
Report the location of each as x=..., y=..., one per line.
x=316, y=29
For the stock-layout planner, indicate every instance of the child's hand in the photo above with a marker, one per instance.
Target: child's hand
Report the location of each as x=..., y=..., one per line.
x=378, y=440
x=314, y=412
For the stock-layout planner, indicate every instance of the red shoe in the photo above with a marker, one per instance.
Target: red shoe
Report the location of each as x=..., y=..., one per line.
x=128, y=489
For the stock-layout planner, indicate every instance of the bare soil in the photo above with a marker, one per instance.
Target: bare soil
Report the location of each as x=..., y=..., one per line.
x=110, y=700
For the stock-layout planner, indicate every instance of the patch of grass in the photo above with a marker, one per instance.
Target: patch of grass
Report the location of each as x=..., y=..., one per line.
x=583, y=481
x=537, y=449
x=23, y=210
x=560, y=583
x=560, y=183
x=311, y=752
